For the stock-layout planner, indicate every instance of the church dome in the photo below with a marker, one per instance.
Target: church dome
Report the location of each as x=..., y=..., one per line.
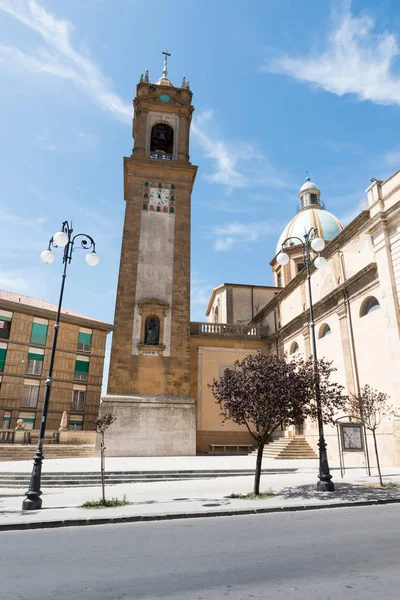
x=327, y=225
x=311, y=214
x=308, y=185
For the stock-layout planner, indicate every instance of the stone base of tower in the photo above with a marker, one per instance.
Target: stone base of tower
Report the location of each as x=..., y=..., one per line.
x=150, y=425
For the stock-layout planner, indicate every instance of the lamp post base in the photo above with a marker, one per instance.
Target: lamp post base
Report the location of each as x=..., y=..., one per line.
x=32, y=502
x=325, y=486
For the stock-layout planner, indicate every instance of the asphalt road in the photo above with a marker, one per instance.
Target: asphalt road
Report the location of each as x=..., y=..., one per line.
x=351, y=553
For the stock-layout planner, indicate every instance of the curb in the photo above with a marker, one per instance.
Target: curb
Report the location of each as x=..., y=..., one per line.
x=195, y=515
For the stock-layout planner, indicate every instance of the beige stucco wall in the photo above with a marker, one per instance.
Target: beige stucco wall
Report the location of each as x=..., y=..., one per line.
x=208, y=357
x=291, y=306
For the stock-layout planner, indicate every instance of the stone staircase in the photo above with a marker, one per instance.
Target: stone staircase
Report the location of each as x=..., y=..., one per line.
x=26, y=452
x=289, y=449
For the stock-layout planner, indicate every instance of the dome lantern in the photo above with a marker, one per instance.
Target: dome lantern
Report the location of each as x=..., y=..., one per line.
x=311, y=213
x=309, y=194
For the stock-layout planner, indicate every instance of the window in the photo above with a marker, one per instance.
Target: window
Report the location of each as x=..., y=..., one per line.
x=369, y=306
x=35, y=361
x=324, y=331
x=279, y=279
x=313, y=199
x=85, y=340
x=81, y=368
x=6, y=420
x=28, y=419
x=294, y=348
x=30, y=394
x=75, y=423
x=162, y=141
x=3, y=354
x=300, y=267
x=39, y=332
x=78, y=399
x=5, y=324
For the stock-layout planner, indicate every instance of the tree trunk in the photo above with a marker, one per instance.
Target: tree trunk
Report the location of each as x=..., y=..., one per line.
x=258, y=466
x=377, y=458
x=103, y=487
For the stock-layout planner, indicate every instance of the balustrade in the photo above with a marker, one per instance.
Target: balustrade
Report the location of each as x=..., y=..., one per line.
x=223, y=329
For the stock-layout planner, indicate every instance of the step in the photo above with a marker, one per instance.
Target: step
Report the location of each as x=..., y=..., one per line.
x=21, y=480
x=289, y=449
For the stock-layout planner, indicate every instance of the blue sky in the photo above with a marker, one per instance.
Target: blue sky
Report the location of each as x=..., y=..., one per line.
x=280, y=88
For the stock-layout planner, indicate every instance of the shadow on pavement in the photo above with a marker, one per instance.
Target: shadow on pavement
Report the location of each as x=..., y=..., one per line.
x=343, y=491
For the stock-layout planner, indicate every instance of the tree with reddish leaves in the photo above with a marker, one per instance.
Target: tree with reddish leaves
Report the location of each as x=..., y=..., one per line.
x=370, y=407
x=265, y=392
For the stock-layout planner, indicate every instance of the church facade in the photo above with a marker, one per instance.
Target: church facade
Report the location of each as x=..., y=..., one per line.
x=161, y=363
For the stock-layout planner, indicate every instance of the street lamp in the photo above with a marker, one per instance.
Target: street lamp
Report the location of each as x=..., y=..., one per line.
x=63, y=239
x=311, y=240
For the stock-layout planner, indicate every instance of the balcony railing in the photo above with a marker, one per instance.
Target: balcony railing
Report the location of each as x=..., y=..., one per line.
x=224, y=330
x=161, y=155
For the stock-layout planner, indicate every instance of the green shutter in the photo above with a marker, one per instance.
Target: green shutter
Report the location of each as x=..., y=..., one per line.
x=3, y=354
x=34, y=356
x=82, y=366
x=85, y=338
x=39, y=334
x=5, y=318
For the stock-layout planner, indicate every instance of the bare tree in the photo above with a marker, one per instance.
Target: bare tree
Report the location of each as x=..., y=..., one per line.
x=101, y=425
x=370, y=407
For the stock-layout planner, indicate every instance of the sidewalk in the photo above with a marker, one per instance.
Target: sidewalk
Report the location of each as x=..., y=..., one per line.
x=156, y=463
x=186, y=499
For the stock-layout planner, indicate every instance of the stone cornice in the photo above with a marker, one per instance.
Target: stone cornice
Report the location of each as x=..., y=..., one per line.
x=331, y=248
x=153, y=303
x=51, y=315
x=383, y=218
x=352, y=285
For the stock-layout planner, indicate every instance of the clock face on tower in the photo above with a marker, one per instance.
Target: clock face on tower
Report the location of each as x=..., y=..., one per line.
x=159, y=197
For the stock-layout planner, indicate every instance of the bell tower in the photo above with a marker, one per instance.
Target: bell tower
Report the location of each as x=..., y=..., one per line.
x=148, y=386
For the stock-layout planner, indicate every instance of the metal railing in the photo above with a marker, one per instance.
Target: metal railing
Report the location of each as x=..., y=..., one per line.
x=161, y=155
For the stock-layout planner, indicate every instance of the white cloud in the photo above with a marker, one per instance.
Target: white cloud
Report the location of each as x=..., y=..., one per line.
x=236, y=164
x=222, y=244
x=356, y=60
x=229, y=235
x=392, y=158
x=14, y=219
x=59, y=58
x=12, y=283
x=73, y=141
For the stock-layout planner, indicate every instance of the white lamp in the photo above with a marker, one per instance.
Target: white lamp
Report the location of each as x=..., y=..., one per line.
x=317, y=244
x=282, y=258
x=47, y=257
x=92, y=259
x=60, y=239
x=320, y=262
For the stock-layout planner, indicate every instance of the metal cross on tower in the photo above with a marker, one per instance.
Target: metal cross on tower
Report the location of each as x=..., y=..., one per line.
x=165, y=69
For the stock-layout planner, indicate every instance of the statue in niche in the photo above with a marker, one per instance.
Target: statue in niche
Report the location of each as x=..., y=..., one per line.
x=152, y=331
